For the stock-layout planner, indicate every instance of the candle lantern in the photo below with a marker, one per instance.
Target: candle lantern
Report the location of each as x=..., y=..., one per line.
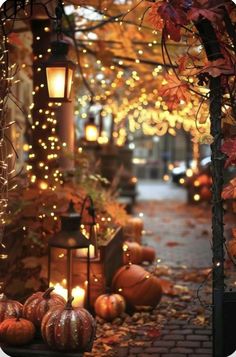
x=62, y=249
x=91, y=130
x=59, y=73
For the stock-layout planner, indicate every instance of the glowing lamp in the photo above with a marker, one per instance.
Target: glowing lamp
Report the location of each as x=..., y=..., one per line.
x=59, y=73
x=91, y=130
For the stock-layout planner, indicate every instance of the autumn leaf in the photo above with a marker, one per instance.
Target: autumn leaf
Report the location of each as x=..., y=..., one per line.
x=229, y=190
x=153, y=332
x=210, y=14
x=206, y=139
x=218, y=67
x=168, y=16
x=174, y=90
x=167, y=286
x=155, y=18
x=229, y=148
x=172, y=244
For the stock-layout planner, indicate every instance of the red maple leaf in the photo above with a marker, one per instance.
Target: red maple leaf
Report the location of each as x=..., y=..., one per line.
x=168, y=16
x=155, y=18
x=174, y=91
x=229, y=148
x=229, y=190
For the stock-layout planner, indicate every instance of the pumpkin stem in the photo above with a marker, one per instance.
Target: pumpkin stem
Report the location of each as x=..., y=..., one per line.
x=18, y=315
x=47, y=293
x=69, y=303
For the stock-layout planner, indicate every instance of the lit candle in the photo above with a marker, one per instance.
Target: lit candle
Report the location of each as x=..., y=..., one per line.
x=78, y=293
x=82, y=253
x=58, y=289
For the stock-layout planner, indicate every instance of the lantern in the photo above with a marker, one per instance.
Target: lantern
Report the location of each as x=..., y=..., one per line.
x=62, y=250
x=91, y=130
x=59, y=73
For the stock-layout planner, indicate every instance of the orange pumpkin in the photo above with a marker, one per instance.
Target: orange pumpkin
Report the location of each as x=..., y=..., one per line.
x=65, y=328
x=17, y=331
x=9, y=308
x=109, y=306
x=39, y=303
x=137, y=286
x=133, y=229
x=136, y=254
x=205, y=193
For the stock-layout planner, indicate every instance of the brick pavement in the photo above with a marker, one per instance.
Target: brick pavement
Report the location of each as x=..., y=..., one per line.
x=177, y=339
x=183, y=323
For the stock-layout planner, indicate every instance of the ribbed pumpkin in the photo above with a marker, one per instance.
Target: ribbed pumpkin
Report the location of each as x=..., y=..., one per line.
x=109, y=306
x=39, y=303
x=16, y=331
x=136, y=253
x=9, y=308
x=133, y=229
x=68, y=329
x=137, y=286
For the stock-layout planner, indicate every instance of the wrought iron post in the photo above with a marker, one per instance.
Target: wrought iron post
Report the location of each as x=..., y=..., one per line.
x=213, y=52
x=217, y=216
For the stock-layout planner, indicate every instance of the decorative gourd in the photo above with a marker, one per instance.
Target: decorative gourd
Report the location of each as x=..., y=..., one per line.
x=68, y=329
x=137, y=286
x=9, y=308
x=17, y=331
x=133, y=229
x=136, y=253
x=39, y=303
x=109, y=306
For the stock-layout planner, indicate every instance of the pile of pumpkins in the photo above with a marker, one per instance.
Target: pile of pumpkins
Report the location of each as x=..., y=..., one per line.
x=133, y=287
x=50, y=313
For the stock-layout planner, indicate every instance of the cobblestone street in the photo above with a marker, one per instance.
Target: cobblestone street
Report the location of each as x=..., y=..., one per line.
x=180, y=325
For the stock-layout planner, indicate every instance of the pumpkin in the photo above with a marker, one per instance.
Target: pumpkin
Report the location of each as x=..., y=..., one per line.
x=205, y=193
x=39, y=303
x=17, y=331
x=136, y=254
x=66, y=328
x=9, y=308
x=137, y=286
x=133, y=229
x=109, y=306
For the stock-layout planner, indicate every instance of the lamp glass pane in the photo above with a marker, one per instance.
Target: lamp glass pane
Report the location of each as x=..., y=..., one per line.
x=91, y=132
x=69, y=82
x=56, y=77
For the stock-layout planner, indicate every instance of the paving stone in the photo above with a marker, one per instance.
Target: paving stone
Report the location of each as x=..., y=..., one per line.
x=204, y=332
x=181, y=350
x=173, y=355
x=174, y=337
x=160, y=343
x=202, y=355
x=190, y=344
x=203, y=350
x=122, y=352
x=182, y=332
x=136, y=349
x=197, y=338
x=207, y=344
x=157, y=350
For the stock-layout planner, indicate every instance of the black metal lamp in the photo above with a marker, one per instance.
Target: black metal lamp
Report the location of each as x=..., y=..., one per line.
x=91, y=130
x=59, y=73
x=67, y=241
